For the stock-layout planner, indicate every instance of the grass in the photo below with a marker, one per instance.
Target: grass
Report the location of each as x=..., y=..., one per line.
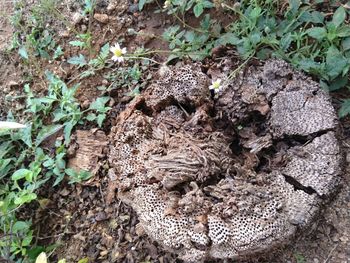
x=312, y=37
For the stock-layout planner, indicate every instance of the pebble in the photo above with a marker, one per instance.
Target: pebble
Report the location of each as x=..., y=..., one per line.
x=77, y=17
x=83, y=28
x=102, y=18
x=111, y=6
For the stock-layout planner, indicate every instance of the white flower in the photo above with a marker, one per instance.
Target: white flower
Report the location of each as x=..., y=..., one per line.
x=11, y=125
x=216, y=86
x=118, y=52
x=167, y=4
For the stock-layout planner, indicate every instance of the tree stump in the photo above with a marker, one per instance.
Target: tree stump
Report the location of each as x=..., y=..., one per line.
x=228, y=177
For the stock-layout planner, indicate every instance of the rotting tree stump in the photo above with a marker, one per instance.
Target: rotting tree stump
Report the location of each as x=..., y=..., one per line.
x=226, y=178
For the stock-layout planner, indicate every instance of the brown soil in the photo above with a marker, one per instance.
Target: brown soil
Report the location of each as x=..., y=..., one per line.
x=77, y=217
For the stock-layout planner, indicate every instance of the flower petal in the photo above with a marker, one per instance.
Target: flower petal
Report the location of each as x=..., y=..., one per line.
x=115, y=58
x=120, y=59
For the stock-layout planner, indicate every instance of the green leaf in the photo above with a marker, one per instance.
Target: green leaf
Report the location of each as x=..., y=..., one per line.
x=198, y=9
x=207, y=4
x=343, y=31
x=27, y=239
x=91, y=117
x=264, y=53
x=49, y=162
x=190, y=36
x=170, y=32
x=294, y=6
x=100, y=119
x=67, y=132
x=335, y=62
x=34, y=252
x=21, y=173
x=344, y=109
x=99, y=103
x=87, y=73
x=58, y=52
x=141, y=4
x=339, y=16
x=205, y=23
x=22, y=51
x=318, y=33
x=229, y=38
x=104, y=51
x=255, y=38
x=286, y=40
x=77, y=177
x=88, y=6
x=77, y=43
x=338, y=83
x=43, y=53
x=314, y=17
x=71, y=172
x=77, y=60
x=171, y=58
x=20, y=226
x=346, y=44
x=84, y=260
x=255, y=13
x=331, y=31
x=25, y=198
x=46, y=132
x=5, y=166
x=58, y=115
x=59, y=177
x=318, y=17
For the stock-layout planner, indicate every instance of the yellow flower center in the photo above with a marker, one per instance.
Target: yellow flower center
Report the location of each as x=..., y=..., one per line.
x=118, y=53
x=216, y=85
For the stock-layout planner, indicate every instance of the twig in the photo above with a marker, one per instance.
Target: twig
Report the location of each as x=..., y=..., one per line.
x=330, y=253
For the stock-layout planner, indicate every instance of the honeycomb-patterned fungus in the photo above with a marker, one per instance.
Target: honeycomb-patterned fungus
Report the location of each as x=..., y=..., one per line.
x=194, y=193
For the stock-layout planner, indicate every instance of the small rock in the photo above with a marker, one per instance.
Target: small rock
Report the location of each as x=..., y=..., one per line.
x=83, y=28
x=77, y=17
x=143, y=37
x=101, y=216
x=111, y=6
x=140, y=231
x=102, y=18
x=64, y=192
x=85, y=104
x=344, y=239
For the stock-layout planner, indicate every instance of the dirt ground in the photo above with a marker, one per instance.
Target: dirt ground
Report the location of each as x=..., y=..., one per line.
x=77, y=217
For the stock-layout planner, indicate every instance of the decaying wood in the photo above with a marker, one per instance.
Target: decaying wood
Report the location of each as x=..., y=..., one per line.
x=204, y=188
x=89, y=146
